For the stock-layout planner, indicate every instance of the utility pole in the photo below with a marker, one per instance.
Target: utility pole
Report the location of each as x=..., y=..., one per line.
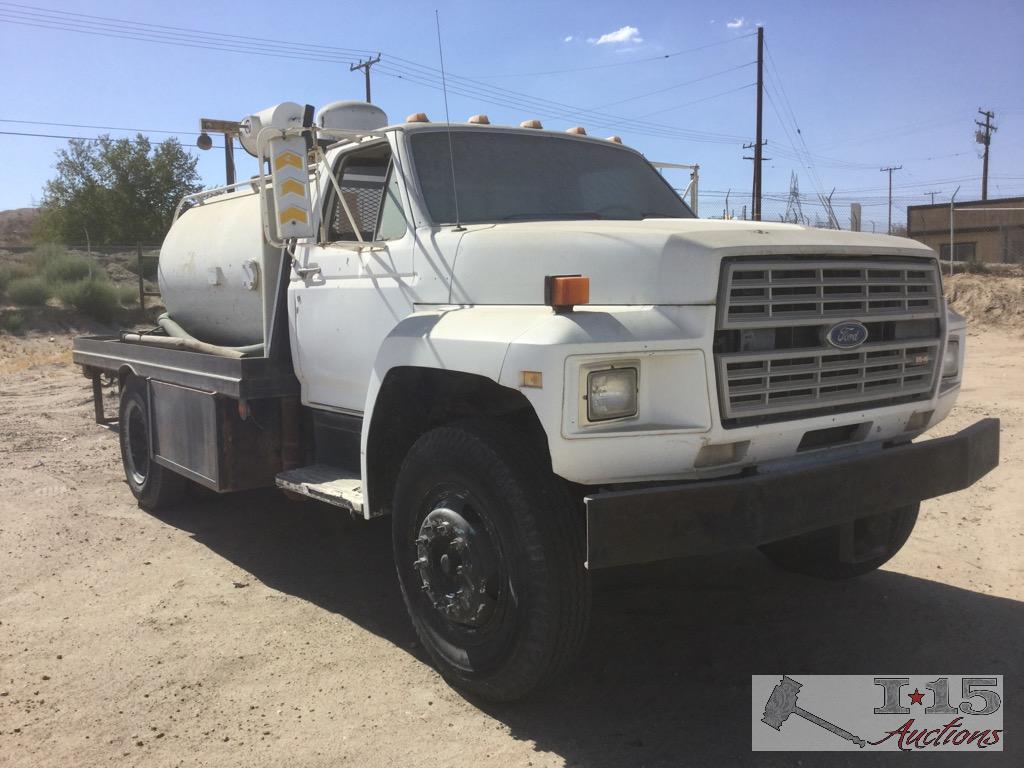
x=755, y=208
x=984, y=136
x=890, y=169
x=365, y=66
x=933, y=194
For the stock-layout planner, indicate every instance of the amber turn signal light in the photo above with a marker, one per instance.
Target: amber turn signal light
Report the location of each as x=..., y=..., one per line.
x=566, y=291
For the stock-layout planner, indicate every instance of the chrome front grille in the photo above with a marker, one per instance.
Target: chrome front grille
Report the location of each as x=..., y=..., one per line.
x=771, y=357
x=759, y=293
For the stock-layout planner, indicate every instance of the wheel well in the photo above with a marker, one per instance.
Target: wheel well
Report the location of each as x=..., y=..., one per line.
x=414, y=400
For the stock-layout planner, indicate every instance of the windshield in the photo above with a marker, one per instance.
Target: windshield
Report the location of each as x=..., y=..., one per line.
x=517, y=177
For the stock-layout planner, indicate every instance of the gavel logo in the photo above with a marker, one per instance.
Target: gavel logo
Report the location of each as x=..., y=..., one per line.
x=782, y=703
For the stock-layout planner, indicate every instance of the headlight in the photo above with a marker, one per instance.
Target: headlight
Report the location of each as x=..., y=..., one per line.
x=951, y=360
x=611, y=394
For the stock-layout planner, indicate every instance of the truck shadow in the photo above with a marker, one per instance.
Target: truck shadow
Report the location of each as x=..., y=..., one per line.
x=665, y=678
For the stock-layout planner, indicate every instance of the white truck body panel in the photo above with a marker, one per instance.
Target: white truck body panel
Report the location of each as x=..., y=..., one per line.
x=470, y=299
x=520, y=364
x=655, y=261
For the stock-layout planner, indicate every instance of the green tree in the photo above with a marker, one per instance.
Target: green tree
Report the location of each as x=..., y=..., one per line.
x=115, y=191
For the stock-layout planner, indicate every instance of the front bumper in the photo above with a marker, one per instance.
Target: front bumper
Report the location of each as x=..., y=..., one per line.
x=647, y=524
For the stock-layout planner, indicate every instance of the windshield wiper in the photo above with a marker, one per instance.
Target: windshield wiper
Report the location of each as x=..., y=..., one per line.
x=547, y=216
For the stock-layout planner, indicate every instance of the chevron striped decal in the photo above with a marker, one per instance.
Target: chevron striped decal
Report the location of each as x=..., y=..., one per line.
x=287, y=158
x=293, y=213
x=293, y=186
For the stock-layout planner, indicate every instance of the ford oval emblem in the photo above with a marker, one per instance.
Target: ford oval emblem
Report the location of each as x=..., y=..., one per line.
x=847, y=335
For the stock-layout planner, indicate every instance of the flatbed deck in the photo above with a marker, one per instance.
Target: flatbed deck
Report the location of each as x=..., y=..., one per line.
x=246, y=378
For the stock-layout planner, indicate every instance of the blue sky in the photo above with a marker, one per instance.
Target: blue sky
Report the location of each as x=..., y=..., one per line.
x=867, y=84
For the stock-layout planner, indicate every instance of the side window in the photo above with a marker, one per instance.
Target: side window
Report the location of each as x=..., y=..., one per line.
x=362, y=179
x=393, y=223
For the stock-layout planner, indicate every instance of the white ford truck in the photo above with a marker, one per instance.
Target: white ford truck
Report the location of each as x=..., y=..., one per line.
x=525, y=347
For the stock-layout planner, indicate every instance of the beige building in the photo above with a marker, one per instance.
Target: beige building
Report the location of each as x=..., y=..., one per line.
x=990, y=231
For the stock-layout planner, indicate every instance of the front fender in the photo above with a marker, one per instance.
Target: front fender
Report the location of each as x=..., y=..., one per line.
x=673, y=346
x=471, y=340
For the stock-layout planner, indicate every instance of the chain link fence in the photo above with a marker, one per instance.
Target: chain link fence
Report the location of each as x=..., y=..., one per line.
x=124, y=264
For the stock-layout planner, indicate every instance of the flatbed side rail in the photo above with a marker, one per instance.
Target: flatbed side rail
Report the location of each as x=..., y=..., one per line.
x=242, y=379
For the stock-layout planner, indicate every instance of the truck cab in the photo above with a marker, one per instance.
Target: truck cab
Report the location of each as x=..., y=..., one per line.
x=526, y=348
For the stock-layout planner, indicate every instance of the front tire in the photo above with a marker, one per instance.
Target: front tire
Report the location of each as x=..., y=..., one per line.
x=153, y=485
x=489, y=551
x=846, y=551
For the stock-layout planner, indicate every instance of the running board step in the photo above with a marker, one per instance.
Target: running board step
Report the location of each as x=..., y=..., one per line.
x=323, y=482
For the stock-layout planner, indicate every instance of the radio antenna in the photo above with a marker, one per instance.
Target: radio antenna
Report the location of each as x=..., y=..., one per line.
x=448, y=122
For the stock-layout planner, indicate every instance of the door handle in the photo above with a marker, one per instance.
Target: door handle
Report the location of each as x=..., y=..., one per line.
x=312, y=269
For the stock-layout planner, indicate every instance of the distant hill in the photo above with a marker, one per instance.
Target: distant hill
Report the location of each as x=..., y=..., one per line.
x=16, y=226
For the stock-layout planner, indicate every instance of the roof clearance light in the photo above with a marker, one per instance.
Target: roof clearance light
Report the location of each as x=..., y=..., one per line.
x=566, y=291
x=479, y=120
x=417, y=117
x=530, y=124
x=579, y=130
x=615, y=139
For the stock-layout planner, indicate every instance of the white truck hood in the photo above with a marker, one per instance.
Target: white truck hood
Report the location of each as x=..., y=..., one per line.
x=655, y=261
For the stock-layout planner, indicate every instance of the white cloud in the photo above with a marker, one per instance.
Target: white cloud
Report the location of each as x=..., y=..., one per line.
x=625, y=34
x=736, y=23
x=568, y=39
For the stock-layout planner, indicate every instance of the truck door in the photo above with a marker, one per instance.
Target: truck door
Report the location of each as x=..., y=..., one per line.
x=343, y=301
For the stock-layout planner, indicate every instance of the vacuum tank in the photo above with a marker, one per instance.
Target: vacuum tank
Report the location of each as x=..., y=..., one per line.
x=217, y=273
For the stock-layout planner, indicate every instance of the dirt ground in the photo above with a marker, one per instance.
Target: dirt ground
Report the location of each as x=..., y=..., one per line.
x=248, y=630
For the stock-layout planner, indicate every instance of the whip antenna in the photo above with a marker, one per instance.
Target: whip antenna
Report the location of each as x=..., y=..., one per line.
x=448, y=122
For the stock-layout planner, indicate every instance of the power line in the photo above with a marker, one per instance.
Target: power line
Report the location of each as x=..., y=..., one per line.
x=567, y=112
x=903, y=130
x=930, y=182
x=677, y=85
x=660, y=57
x=30, y=11
x=808, y=160
x=86, y=138
x=696, y=101
x=502, y=96
x=98, y=127
x=410, y=71
x=803, y=152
